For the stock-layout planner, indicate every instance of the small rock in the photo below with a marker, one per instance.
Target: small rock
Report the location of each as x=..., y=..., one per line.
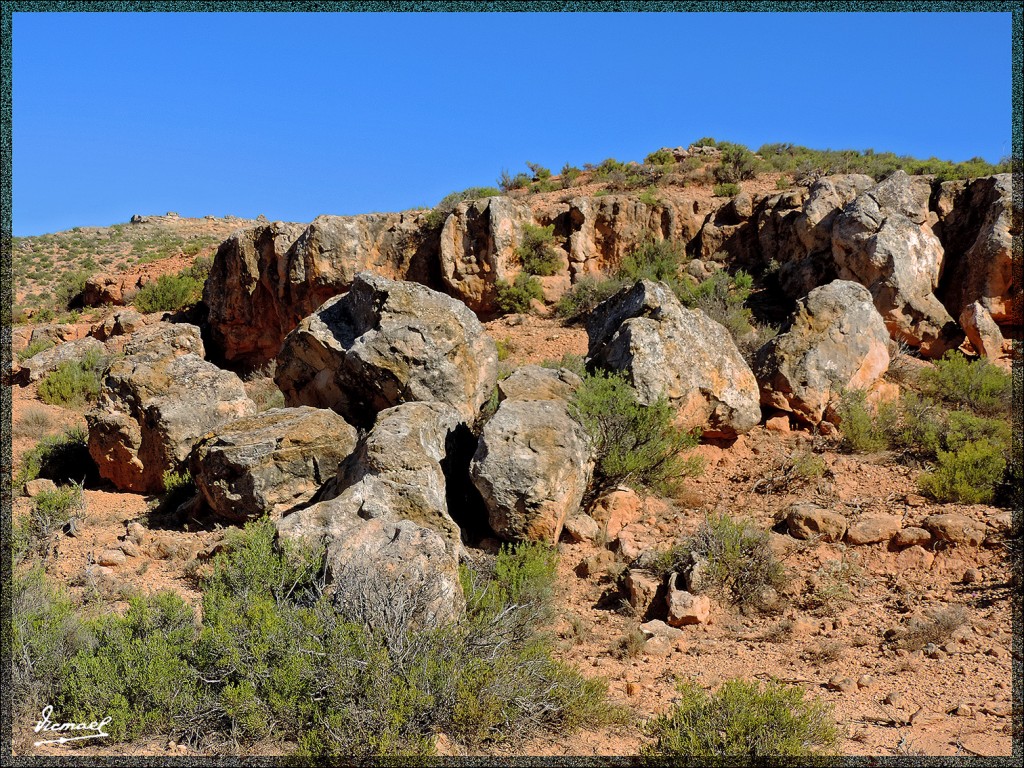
x=137, y=534
x=632, y=689
x=874, y=530
x=627, y=545
x=807, y=520
x=971, y=576
x=596, y=564
x=130, y=548
x=658, y=628
x=865, y=681
x=641, y=588
x=617, y=509
x=893, y=699
x=582, y=528
x=658, y=646
x=40, y=485
x=998, y=709
x=956, y=529
x=777, y=424
x=685, y=608
x=996, y=652
x=912, y=536
x=933, y=651
x=111, y=557
x=964, y=710
x=914, y=500
x=842, y=684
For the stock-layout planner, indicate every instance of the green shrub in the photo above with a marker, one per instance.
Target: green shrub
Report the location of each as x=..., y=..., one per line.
x=830, y=588
x=33, y=349
x=726, y=190
x=570, y=174
x=169, y=293
x=504, y=347
x=660, y=157
x=860, y=432
x=734, y=559
x=746, y=721
x=539, y=171
x=633, y=443
x=537, y=252
x=656, y=260
x=508, y=183
x=722, y=297
x=736, y=164
x=573, y=362
x=968, y=475
x=609, y=169
x=73, y=382
x=585, y=294
x=517, y=295
x=706, y=141
x=649, y=197
x=976, y=384
x=69, y=287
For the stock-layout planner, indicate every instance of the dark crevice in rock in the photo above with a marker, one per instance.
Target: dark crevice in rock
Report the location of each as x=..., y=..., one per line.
x=465, y=504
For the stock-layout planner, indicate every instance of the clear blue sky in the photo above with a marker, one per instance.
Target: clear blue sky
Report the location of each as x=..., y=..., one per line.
x=294, y=115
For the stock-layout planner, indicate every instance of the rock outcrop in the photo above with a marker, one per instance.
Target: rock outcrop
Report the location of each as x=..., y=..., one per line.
x=681, y=354
x=836, y=341
x=266, y=279
x=268, y=463
x=387, y=342
x=533, y=382
x=532, y=467
x=155, y=403
x=37, y=366
x=883, y=241
x=386, y=526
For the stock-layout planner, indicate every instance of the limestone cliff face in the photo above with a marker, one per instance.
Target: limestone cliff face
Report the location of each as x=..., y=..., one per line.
x=267, y=278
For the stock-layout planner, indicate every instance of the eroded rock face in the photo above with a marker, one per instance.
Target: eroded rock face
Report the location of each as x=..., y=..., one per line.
x=266, y=464
x=151, y=410
x=385, y=520
x=265, y=279
x=533, y=382
x=478, y=245
x=982, y=331
x=50, y=359
x=532, y=467
x=387, y=342
x=681, y=354
x=976, y=228
x=883, y=241
x=836, y=341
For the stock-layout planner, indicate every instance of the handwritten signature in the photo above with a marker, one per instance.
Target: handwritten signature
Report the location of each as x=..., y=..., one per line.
x=48, y=725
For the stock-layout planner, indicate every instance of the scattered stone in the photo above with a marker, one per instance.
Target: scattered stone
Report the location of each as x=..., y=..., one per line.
x=924, y=716
x=616, y=509
x=998, y=709
x=659, y=646
x=40, y=485
x=955, y=529
x=915, y=558
x=685, y=608
x=964, y=710
x=110, y=557
x=137, y=533
x=912, y=536
x=658, y=628
x=130, y=548
x=865, y=681
x=534, y=382
x=596, y=564
x=632, y=689
x=778, y=424
x=841, y=684
x=641, y=588
x=627, y=545
x=806, y=520
x=971, y=576
x=914, y=500
x=893, y=699
x=874, y=530
x=582, y=528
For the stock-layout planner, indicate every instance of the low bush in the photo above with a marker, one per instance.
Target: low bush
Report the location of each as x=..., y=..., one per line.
x=746, y=721
x=34, y=422
x=537, y=252
x=737, y=163
x=861, y=434
x=936, y=630
x=517, y=295
x=34, y=348
x=975, y=384
x=633, y=444
x=722, y=297
x=726, y=190
x=570, y=174
x=573, y=362
x=733, y=557
x=829, y=591
x=968, y=475
x=660, y=157
x=70, y=285
x=170, y=293
x=585, y=294
x=540, y=173
x=437, y=217
x=74, y=382
x=278, y=656
x=649, y=197
x=509, y=183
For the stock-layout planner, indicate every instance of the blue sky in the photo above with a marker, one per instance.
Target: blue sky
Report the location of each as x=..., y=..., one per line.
x=294, y=115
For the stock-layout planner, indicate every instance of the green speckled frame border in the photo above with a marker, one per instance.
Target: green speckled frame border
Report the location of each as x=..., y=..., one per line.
x=6, y=307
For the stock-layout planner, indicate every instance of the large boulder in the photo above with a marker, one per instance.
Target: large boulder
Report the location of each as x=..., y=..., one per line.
x=385, y=521
x=384, y=343
x=669, y=351
x=836, y=340
x=268, y=463
x=976, y=228
x=266, y=279
x=532, y=467
x=883, y=241
x=533, y=382
x=153, y=406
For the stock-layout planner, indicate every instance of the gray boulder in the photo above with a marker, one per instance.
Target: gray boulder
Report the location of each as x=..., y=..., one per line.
x=532, y=467
x=37, y=366
x=533, y=382
x=681, y=354
x=883, y=241
x=836, y=340
x=265, y=464
x=384, y=343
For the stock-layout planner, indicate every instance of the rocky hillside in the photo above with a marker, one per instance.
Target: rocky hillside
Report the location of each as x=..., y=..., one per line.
x=703, y=421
